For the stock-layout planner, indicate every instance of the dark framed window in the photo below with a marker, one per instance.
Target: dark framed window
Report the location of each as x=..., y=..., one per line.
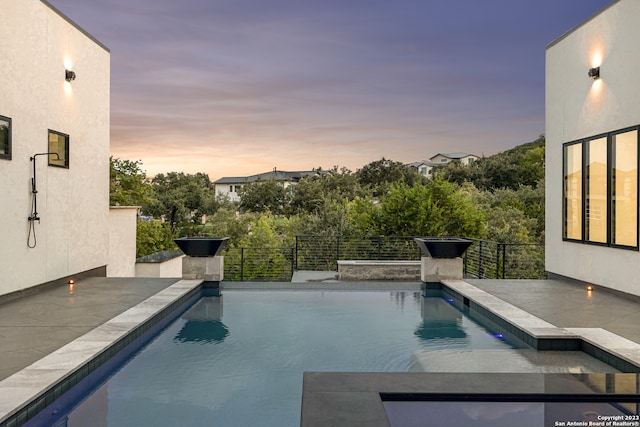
x=58, y=144
x=600, y=189
x=5, y=138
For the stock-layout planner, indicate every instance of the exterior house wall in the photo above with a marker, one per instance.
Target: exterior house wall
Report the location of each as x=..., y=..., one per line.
x=229, y=190
x=37, y=43
x=122, y=241
x=439, y=158
x=578, y=107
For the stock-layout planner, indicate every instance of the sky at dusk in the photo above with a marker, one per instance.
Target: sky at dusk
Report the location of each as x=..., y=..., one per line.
x=238, y=87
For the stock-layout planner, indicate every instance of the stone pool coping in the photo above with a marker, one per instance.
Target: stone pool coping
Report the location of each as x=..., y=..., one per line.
x=619, y=352
x=27, y=392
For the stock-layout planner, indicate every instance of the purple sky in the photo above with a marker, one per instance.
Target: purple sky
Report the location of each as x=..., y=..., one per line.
x=237, y=87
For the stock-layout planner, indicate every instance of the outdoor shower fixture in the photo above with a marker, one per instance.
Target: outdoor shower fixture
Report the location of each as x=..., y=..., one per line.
x=594, y=73
x=34, y=201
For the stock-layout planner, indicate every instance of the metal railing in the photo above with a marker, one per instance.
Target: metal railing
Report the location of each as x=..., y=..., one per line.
x=323, y=252
x=258, y=264
x=484, y=259
x=493, y=260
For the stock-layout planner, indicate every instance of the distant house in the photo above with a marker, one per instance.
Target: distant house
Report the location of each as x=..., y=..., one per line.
x=229, y=186
x=463, y=158
x=425, y=167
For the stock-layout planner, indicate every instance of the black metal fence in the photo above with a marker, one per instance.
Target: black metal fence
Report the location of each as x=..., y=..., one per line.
x=258, y=264
x=492, y=260
x=323, y=252
x=484, y=259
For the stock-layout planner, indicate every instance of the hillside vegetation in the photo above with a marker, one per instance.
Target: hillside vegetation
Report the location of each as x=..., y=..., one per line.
x=499, y=198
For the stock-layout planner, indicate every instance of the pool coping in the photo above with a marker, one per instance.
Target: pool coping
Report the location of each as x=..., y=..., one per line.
x=27, y=392
x=619, y=352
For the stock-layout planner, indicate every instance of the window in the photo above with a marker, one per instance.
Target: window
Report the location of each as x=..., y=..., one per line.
x=5, y=138
x=596, y=191
x=59, y=144
x=573, y=192
x=624, y=197
x=238, y=187
x=600, y=190
x=231, y=189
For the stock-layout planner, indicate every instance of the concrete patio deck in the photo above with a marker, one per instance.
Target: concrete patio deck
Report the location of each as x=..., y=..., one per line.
x=38, y=324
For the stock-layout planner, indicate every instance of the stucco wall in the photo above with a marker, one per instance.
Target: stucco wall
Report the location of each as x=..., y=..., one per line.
x=122, y=241
x=579, y=107
x=169, y=268
x=36, y=44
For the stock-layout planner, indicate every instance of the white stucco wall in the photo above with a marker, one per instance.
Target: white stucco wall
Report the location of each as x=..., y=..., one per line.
x=122, y=241
x=36, y=44
x=579, y=107
x=171, y=268
x=223, y=190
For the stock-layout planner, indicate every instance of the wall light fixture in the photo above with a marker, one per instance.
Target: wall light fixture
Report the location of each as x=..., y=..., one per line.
x=69, y=75
x=594, y=73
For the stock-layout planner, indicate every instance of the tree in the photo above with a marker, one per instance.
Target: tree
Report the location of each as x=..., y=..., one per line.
x=438, y=208
x=180, y=197
x=128, y=184
x=381, y=174
x=521, y=165
x=263, y=196
x=152, y=237
x=527, y=201
x=312, y=192
x=330, y=219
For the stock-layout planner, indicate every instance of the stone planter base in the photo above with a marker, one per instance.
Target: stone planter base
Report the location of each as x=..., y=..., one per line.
x=209, y=269
x=433, y=270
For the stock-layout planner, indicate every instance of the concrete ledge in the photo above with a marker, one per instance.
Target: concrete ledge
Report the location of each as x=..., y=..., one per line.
x=356, y=398
x=379, y=270
x=160, y=264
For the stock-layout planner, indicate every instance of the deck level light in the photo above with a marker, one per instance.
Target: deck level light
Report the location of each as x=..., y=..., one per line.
x=594, y=73
x=69, y=75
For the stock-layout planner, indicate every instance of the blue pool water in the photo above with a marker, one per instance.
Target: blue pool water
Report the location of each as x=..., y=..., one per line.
x=238, y=359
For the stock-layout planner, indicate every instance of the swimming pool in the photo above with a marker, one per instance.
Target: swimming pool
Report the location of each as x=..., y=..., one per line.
x=238, y=359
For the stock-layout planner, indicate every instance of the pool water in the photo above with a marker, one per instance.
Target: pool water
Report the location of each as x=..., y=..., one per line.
x=238, y=359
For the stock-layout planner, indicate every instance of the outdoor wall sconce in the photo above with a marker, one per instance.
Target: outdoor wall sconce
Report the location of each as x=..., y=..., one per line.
x=69, y=75
x=594, y=73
